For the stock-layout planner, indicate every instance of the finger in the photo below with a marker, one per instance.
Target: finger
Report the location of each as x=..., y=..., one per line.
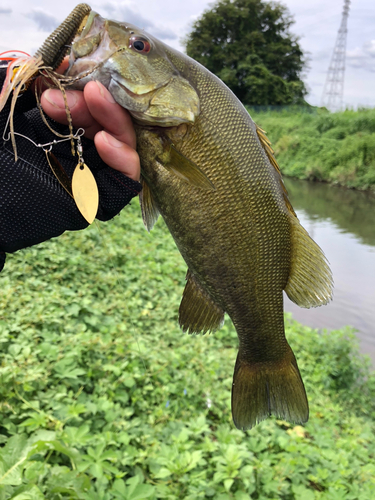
x=106, y=111
x=63, y=66
x=53, y=104
x=118, y=155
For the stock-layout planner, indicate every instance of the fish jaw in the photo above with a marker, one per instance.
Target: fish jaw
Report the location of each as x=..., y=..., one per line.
x=148, y=85
x=158, y=107
x=90, y=51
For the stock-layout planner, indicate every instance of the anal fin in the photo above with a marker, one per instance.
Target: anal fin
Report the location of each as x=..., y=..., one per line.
x=198, y=313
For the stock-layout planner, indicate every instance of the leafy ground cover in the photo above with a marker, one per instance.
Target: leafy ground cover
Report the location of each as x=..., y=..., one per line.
x=103, y=397
x=331, y=147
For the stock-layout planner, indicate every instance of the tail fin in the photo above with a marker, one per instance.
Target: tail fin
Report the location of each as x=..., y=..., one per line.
x=268, y=388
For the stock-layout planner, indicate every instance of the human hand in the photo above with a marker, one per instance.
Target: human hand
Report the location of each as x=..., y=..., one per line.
x=36, y=207
x=104, y=121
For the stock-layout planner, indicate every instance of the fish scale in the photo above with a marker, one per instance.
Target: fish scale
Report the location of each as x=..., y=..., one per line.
x=245, y=230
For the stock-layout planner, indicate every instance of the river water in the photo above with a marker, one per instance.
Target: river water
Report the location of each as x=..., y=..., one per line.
x=342, y=222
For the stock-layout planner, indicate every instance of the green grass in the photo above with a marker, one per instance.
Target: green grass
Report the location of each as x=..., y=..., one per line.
x=332, y=147
x=103, y=397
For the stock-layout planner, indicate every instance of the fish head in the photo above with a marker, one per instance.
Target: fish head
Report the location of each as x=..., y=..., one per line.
x=135, y=68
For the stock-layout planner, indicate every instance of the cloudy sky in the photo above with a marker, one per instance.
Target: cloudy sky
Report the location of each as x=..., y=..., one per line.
x=25, y=25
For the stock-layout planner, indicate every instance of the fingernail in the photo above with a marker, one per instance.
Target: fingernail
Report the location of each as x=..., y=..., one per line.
x=105, y=93
x=55, y=98
x=109, y=139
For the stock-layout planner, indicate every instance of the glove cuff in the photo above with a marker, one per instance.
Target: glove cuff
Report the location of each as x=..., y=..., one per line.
x=115, y=191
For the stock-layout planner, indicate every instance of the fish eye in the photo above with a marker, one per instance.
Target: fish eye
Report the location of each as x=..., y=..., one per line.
x=140, y=44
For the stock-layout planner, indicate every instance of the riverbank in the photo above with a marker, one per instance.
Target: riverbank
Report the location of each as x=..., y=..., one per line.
x=102, y=396
x=338, y=148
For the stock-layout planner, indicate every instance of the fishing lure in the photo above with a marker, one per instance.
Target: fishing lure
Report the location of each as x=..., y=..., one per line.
x=22, y=71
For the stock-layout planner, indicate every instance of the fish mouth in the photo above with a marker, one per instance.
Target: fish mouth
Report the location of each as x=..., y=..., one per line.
x=150, y=107
x=147, y=94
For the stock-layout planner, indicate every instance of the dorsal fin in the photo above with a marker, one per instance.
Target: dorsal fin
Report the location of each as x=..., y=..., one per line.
x=266, y=145
x=310, y=280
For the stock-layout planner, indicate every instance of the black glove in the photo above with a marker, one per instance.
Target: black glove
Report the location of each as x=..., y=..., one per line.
x=34, y=207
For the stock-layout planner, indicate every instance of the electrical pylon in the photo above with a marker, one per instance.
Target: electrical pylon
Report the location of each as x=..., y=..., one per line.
x=333, y=92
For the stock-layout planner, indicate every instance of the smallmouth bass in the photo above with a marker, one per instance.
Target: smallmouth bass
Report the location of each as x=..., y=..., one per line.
x=210, y=172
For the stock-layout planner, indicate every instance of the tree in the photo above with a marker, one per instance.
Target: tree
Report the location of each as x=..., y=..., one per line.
x=247, y=43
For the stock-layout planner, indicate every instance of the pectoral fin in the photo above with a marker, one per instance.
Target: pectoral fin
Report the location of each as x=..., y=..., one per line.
x=150, y=212
x=198, y=312
x=184, y=168
x=310, y=280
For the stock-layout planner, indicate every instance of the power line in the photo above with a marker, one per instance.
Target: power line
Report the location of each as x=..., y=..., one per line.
x=333, y=91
